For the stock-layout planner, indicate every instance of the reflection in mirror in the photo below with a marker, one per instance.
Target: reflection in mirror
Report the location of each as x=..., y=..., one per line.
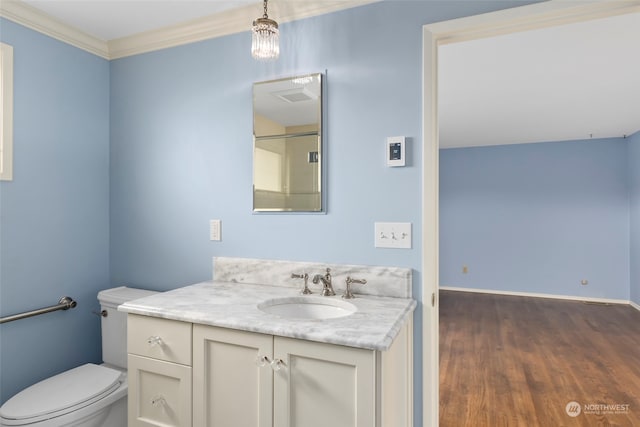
x=287, y=151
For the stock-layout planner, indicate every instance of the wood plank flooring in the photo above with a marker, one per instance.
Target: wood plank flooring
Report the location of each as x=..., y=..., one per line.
x=518, y=361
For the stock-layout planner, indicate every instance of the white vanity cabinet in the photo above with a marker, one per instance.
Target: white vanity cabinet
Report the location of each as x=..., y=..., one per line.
x=183, y=374
x=159, y=365
x=256, y=380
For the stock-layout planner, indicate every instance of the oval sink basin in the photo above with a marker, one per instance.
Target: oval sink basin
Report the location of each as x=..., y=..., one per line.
x=304, y=307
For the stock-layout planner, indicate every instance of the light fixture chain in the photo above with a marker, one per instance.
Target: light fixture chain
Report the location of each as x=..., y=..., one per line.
x=265, y=10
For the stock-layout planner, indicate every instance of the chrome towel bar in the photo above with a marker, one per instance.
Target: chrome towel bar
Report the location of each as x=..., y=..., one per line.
x=65, y=303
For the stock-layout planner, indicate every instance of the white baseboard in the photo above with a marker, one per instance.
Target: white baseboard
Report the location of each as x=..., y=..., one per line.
x=634, y=305
x=538, y=295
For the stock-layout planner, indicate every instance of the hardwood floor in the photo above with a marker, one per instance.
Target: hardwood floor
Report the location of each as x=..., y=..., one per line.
x=519, y=361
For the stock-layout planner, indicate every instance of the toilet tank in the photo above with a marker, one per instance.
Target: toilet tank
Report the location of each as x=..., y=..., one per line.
x=114, y=324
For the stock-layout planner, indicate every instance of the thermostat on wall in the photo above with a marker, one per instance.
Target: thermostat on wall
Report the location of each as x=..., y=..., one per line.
x=395, y=151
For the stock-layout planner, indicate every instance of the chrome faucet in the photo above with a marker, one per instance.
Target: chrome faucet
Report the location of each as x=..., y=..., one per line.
x=327, y=288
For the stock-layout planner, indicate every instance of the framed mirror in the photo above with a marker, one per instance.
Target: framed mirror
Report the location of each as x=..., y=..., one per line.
x=287, y=148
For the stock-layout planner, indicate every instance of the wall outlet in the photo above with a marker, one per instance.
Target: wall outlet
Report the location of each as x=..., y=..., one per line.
x=584, y=282
x=395, y=235
x=214, y=230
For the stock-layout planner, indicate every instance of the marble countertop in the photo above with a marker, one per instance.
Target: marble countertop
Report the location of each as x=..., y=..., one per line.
x=373, y=326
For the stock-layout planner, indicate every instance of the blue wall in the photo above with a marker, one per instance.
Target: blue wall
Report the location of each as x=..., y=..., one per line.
x=181, y=148
x=54, y=223
x=181, y=145
x=537, y=218
x=634, y=214
x=119, y=166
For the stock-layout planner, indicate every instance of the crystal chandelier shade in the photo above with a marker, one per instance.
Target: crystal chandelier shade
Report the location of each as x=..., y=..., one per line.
x=265, y=40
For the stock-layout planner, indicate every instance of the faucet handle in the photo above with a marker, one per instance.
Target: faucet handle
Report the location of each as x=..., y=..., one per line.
x=305, y=276
x=347, y=293
x=361, y=281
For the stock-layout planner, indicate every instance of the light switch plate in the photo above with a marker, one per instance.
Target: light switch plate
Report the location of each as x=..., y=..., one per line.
x=214, y=230
x=393, y=235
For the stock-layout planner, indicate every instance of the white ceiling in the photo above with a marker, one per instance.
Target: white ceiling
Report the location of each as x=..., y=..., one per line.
x=114, y=19
x=567, y=82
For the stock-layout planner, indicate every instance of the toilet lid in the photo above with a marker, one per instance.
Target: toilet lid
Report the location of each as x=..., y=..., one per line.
x=62, y=393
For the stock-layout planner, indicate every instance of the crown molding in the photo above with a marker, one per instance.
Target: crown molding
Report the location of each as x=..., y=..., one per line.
x=218, y=25
x=34, y=19
x=531, y=17
x=222, y=24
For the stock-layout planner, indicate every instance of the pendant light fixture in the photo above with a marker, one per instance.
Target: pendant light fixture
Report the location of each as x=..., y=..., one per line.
x=265, y=41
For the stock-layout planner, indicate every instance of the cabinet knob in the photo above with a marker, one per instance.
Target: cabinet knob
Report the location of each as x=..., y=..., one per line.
x=277, y=364
x=262, y=361
x=158, y=401
x=154, y=341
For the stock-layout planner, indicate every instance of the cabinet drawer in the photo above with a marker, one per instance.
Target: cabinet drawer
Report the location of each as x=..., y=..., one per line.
x=162, y=339
x=159, y=393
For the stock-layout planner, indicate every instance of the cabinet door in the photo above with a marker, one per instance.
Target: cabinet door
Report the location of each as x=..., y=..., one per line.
x=321, y=385
x=159, y=393
x=229, y=388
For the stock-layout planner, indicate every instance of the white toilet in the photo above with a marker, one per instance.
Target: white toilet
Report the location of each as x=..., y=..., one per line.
x=89, y=395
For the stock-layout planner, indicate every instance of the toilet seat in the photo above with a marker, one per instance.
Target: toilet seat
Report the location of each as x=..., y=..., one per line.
x=61, y=394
